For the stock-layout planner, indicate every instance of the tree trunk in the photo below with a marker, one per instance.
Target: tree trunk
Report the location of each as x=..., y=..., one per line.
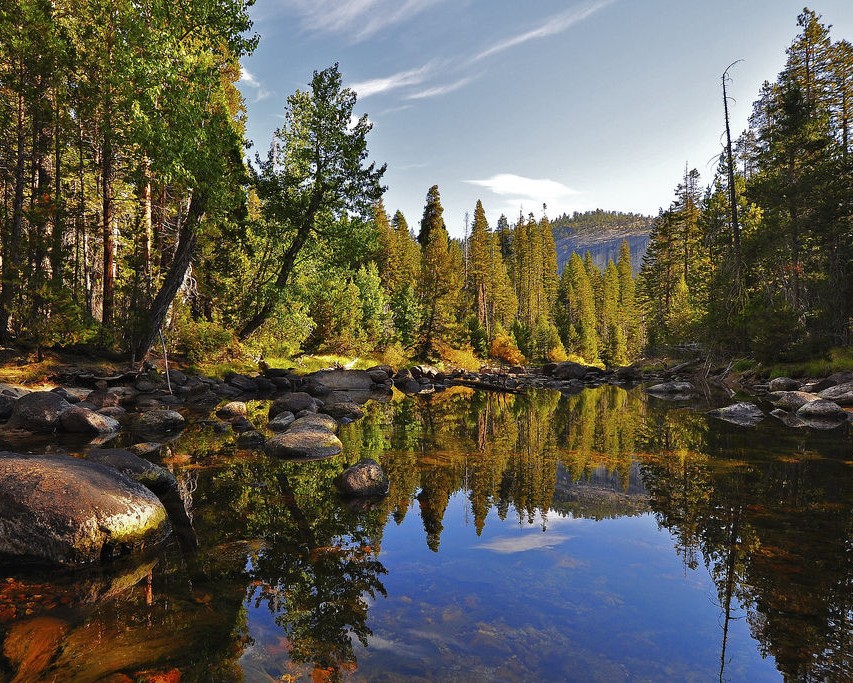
x=153, y=320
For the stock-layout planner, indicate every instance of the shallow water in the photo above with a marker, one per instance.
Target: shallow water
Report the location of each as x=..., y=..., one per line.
x=602, y=536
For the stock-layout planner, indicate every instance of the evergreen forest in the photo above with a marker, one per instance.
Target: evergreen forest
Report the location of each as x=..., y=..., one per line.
x=131, y=208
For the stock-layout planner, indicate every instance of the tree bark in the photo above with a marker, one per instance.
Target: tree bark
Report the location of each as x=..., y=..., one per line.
x=153, y=320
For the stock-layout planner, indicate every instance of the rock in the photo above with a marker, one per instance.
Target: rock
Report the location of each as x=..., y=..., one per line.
x=569, y=370
x=407, y=385
x=203, y=399
x=744, y=414
x=151, y=476
x=115, y=412
x=790, y=400
x=366, y=478
x=822, y=410
x=314, y=388
x=241, y=424
x=378, y=376
x=160, y=421
x=293, y=403
x=387, y=369
x=7, y=403
x=784, y=384
x=314, y=421
x=232, y=410
x=145, y=448
x=427, y=371
x=344, y=411
x=343, y=380
x=250, y=439
x=241, y=382
x=281, y=421
x=226, y=390
x=629, y=374
x=264, y=385
x=101, y=398
x=281, y=383
x=177, y=378
x=67, y=511
x=788, y=419
x=84, y=421
x=146, y=386
x=67, y=395
x=308, y=443
x=842, y=394
x=402, y=374
x=671, y=388
x=38, y=412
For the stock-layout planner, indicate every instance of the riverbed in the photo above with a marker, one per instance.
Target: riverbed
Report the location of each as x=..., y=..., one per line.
x=601, y=536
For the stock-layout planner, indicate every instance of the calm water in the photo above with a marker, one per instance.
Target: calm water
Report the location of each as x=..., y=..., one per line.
x=603, y=536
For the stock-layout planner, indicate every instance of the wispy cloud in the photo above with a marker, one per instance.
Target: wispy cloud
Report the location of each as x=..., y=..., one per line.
x=359, y=19
x=438, y=90
x=553, y=26
x=401, y=79
x=524, y=543
x=520, y=193
x=248, y=79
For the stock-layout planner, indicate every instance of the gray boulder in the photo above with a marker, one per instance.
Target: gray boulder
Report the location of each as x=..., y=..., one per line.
x=822, y=410
x=160, y=421
x=842, y=394
x=66, y=511
x=791, y=400
x=305, y=443
x=151, y=476
x=671, y=389
x=313, y=421
x=344, y=380
x=293, y=403
x=38, y=412
x=281, y=421
x=366, y=478
x=232, y=410
x=84, y=421
x=744, y=414
x=344, y=411
x=784, y=384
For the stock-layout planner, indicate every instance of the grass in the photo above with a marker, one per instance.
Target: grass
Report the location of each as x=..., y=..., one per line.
x=835, y=360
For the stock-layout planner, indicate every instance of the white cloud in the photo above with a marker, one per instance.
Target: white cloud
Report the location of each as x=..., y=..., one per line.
x=360, y=19
x=509, y=184
x=553, y=26
x=248, y=79
x=441, y=89
x=520, y=544
x=402, y=79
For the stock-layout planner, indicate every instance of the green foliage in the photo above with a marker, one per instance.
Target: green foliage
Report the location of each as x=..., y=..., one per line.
x=479, y=340
x=199, y=341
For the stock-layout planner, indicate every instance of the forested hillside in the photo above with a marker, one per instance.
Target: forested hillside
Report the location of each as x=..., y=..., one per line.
x=129, y=208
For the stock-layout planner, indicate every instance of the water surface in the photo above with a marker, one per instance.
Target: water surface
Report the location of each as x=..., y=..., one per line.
x=600, y=536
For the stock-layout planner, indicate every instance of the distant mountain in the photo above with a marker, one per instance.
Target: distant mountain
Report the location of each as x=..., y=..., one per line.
x=601, y=234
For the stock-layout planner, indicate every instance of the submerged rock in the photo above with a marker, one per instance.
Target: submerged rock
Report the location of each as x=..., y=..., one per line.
x=366, y=478
x=160, y=421
x=744, y=414
x=671, y=389
x=66, y=511
x=293, y=403
x=343, y=411
x=153, y=477
x=788, y=419
x=791, y=400
x=84, y=421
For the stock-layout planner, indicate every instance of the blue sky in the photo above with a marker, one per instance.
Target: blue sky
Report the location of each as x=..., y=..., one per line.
x=578, y=104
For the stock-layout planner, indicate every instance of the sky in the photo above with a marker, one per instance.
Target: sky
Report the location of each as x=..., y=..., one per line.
x=574, y=104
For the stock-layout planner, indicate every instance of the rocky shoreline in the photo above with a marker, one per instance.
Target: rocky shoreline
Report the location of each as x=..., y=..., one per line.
x=51, y=511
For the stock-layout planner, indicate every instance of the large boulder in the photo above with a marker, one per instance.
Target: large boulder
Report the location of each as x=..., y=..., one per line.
x=671, y=389
x=306, y=443
x=7, y=404
x=569, y=370
x=84, y=421
x=314, y=421
x=345, y=411
x=293, y=403
x=158, y=421
x=822, y=410
x=66, y=511
x=366, y=478
x=784, y=384
x=38, y=412
x=744, y=414
x=842, y=394
x=153, y=477
x=790, y=400
x=343, y=380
